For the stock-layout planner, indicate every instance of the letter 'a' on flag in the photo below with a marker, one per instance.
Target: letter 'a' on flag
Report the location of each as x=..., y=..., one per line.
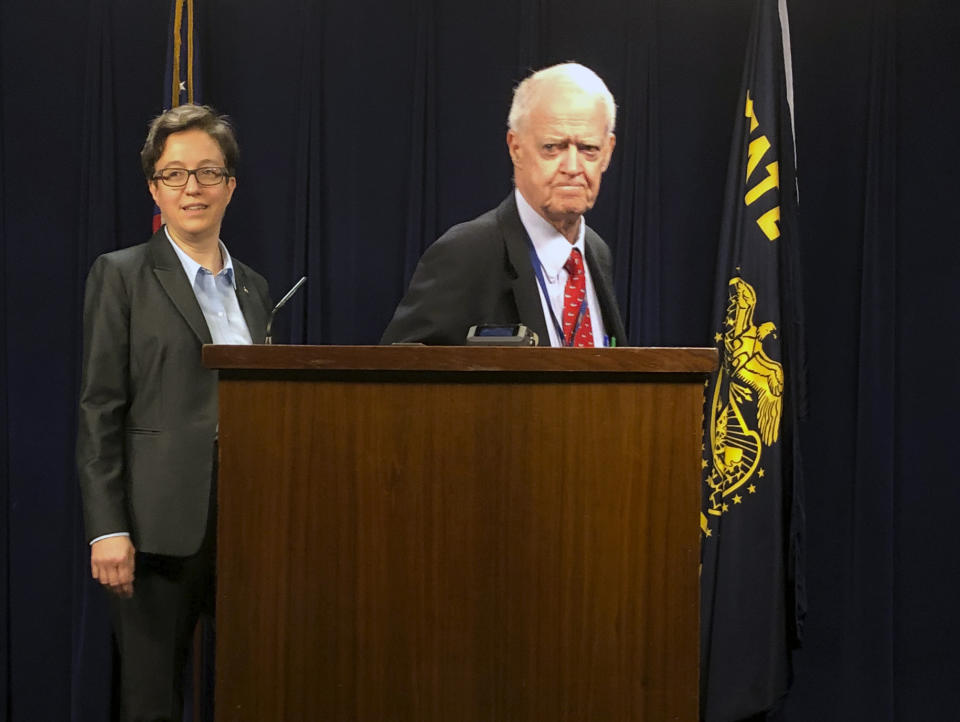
x=182, y=76
x=752, y=600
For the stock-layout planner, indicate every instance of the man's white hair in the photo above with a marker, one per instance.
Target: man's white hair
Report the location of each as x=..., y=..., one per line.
x=527, y=93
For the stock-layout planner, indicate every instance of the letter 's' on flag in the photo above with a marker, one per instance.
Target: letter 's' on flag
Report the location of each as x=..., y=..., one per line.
x=752, y=514
x=182, y=77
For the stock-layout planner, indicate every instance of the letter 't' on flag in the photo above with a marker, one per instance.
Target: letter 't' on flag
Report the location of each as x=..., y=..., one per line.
x=752, y=514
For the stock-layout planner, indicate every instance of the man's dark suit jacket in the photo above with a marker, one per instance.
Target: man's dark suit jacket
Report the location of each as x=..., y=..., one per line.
x=480, y=272
x=148, y=407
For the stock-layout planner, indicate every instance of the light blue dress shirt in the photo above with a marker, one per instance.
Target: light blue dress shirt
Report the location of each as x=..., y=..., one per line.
x=217, y=296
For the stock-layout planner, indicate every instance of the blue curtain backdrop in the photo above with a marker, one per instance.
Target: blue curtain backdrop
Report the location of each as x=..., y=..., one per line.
x=367, y=128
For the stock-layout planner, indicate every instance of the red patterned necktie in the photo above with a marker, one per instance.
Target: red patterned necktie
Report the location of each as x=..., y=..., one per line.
x=573, y=298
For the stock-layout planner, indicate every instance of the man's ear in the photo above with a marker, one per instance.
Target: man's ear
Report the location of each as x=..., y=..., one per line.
x=513, y=145
x=611, y=143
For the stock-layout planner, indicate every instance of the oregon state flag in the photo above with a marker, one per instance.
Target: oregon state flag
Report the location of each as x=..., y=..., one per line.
x=752, y=514
x=182, y=77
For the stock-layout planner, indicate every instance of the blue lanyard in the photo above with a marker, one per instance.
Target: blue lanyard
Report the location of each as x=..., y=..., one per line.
x=538, y=271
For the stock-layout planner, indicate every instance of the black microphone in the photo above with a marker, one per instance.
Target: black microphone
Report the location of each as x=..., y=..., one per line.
x=269, y=338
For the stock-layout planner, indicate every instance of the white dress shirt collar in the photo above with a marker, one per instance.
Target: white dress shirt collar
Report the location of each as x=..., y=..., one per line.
x=553, y=249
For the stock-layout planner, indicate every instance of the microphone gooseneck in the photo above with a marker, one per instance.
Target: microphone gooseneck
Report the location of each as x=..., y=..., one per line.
x=287, y=297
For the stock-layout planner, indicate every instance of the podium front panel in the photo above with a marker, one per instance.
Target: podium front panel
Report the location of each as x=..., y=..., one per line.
x=477, y=543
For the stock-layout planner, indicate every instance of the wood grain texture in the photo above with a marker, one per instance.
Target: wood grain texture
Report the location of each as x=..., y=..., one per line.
x=451, y=550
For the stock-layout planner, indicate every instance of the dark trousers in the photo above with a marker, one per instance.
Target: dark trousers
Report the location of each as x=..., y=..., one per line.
x=154, y=628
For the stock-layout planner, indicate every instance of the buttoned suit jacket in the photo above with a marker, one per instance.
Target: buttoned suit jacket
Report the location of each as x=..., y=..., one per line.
x=148, y=407
x=481, y=272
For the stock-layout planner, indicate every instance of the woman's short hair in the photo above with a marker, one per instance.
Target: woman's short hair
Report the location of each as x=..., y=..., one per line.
x=189, y=117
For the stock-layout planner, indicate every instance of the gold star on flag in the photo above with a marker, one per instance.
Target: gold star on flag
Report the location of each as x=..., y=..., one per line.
x=737, y=499
x=703, y=463
x=761, y=473
x=726, y=507
x=752, y=489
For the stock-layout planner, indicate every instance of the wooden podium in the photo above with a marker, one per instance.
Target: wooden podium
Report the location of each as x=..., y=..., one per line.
x=458, y=534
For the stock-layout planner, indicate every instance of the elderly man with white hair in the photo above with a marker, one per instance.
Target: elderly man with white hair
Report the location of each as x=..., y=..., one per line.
x=532, y=260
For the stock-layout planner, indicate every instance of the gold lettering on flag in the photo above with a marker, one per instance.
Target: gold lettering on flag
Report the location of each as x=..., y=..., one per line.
x=769, y=220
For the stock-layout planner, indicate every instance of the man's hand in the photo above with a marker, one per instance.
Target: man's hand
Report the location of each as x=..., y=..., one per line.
x=111, y=564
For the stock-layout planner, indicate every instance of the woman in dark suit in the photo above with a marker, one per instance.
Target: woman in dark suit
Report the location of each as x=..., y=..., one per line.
x=148, y=408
